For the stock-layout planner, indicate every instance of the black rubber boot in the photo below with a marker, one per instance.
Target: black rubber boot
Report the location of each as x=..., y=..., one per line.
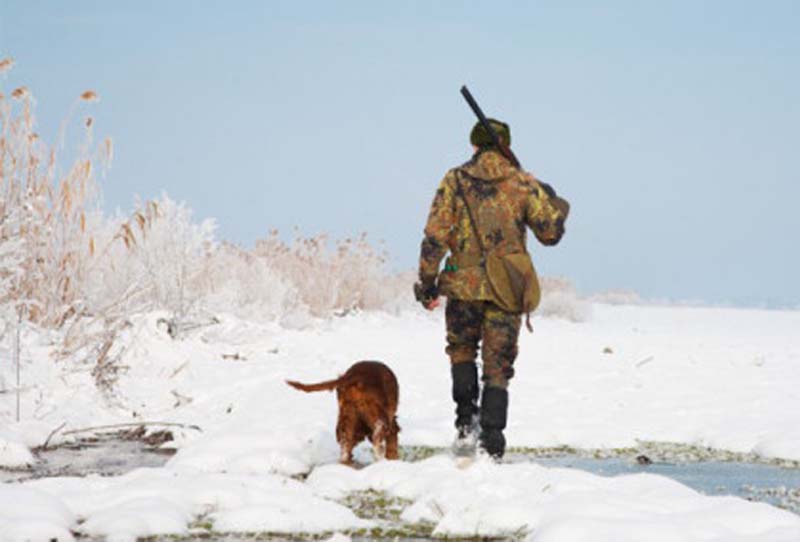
x=465, y=394
x=494, y=409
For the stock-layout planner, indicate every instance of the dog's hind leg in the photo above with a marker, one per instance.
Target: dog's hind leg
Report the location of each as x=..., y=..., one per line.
x=346, y=454
x=391, y=441
x=345, y=436
x=379, y=439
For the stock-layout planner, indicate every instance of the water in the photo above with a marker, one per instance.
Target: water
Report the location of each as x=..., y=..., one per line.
x=776, y=485
x=106, y=456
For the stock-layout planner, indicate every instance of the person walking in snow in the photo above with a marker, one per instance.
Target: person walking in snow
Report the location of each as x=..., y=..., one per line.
x=480, y=215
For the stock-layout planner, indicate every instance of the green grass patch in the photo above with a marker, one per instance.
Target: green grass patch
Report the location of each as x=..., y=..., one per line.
x=375, y=505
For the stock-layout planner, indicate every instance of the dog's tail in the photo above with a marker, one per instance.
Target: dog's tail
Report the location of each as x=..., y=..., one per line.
x=319, y=386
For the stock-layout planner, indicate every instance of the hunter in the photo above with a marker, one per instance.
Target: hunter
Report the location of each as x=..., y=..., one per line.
x=480, y=215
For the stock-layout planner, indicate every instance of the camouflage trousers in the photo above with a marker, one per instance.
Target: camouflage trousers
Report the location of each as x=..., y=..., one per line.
x=471, y=324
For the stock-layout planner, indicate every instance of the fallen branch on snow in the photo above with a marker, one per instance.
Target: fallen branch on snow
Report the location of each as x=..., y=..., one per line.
x=131, y=424
x=52, y=434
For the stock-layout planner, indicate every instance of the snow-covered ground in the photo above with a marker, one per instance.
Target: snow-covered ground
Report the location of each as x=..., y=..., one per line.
x=723, y=378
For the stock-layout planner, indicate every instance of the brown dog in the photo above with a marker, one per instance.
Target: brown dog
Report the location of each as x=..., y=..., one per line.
x=367, y=395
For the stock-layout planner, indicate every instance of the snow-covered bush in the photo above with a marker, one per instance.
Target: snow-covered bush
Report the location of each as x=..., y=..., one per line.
x=236, y=280
x=617, y=297
x=168, y=254
x=350, y=275
x=561, y=300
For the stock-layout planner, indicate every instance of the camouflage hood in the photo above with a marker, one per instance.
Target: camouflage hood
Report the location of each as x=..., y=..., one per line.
x=489, y=165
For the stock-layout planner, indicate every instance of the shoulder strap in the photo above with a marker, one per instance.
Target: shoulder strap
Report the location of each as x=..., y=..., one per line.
x=460, y=193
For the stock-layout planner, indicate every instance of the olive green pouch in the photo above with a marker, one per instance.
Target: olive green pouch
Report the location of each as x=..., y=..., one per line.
x=514, y=282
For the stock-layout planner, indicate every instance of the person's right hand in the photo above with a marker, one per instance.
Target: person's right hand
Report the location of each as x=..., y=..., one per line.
x=427, y=295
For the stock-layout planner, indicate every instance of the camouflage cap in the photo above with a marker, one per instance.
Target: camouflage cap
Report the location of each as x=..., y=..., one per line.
x=480, y=137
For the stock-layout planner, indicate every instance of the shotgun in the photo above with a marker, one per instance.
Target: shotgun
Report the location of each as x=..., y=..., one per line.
x=504, y=149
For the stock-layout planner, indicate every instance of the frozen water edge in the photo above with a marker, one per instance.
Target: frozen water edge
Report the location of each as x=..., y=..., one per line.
x=104, y=455
x=389, y=513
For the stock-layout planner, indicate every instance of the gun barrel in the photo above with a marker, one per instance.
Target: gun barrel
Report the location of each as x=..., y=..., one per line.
x=488, y=126
x=478, y=112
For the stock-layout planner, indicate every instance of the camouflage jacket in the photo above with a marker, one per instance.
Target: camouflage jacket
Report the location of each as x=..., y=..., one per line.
x=504, y=201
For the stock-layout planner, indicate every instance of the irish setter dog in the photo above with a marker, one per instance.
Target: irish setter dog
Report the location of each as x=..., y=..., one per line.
x=367, y=395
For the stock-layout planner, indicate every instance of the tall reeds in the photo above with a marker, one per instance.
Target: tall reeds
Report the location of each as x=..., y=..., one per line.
x=45, y=246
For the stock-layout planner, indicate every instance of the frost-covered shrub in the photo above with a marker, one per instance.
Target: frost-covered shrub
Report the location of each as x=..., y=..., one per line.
x=236, y=280
x=561, y=300
x=349, y=275
x=11, y=252
x=398, y=294
x=170, y=253
x=153, y=259
x=617, y=297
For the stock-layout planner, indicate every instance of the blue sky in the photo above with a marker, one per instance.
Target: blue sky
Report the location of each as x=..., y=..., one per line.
x=672, y=127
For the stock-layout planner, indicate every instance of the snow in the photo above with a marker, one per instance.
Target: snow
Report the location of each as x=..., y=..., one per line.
x=489, y=500
x=28, y=514
x=725, y=378
x=13, y=452
x=338, y=537
x=147, y=502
